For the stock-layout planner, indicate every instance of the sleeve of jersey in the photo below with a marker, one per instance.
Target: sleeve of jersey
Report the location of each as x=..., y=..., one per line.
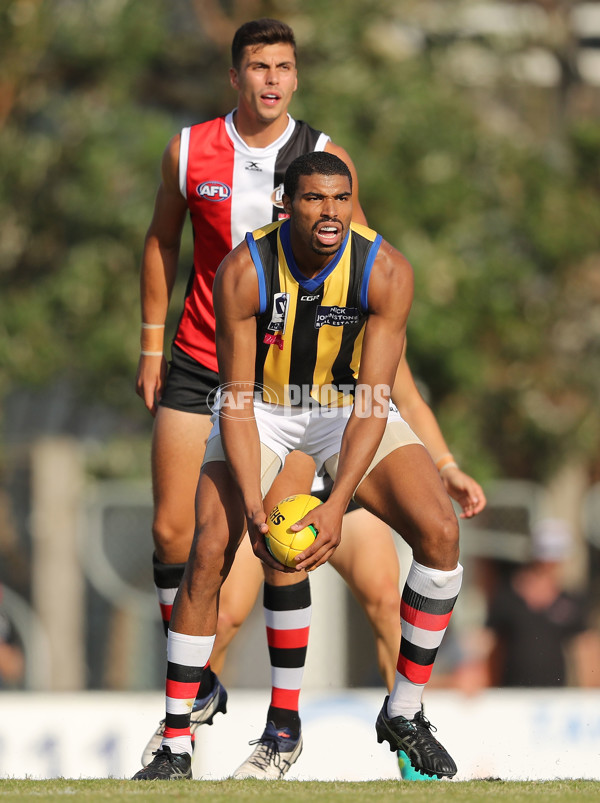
x=364, y=289
x=322, y=141
x=184, y=149
x=262, y=287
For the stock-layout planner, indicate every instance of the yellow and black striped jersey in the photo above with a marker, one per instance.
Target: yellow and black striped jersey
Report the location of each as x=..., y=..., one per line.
x=310, y=331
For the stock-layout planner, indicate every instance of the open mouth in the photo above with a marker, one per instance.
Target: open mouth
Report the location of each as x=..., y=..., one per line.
x=270, y=98
x=328, y=233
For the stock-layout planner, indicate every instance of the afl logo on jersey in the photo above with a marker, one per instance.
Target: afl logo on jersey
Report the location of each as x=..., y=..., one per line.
x=213, y=191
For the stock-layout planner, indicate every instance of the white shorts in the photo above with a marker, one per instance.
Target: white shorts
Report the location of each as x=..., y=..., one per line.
x=316, y=432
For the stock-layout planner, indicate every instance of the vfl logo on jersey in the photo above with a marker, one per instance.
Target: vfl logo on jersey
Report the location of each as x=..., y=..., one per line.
x=277, y=197
x=279, y=313
x=336, y=316
x=213, y=190
x=276, y=327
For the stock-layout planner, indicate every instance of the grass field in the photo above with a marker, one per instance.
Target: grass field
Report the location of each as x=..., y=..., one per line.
x=299, y=791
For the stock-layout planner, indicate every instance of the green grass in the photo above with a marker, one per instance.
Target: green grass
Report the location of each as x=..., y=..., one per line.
x=298, y=791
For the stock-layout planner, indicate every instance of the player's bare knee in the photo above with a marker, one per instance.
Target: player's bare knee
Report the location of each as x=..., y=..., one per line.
x=438, y=545
x=383, y=604
x=227, y=625
x=170, y=537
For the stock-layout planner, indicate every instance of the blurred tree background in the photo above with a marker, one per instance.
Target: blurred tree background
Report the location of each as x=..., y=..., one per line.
x=478, y=153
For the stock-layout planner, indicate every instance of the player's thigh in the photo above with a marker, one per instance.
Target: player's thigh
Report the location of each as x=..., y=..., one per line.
x=296, y=477
x=366, y=557
x=243, y=584
x=405, y=490
x=178, y=443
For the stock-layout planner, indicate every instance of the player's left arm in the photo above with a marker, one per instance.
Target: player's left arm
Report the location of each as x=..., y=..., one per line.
x=358, y=216
x=390, y=297
x=420, y=417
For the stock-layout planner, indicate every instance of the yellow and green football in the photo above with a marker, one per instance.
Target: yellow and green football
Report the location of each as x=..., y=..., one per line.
x=282, y=542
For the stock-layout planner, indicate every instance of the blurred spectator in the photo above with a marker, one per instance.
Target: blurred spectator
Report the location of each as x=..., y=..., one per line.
x=540, y=633
x=12, y=660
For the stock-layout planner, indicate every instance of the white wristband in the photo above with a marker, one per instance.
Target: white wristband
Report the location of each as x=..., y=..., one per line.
x=152, y=339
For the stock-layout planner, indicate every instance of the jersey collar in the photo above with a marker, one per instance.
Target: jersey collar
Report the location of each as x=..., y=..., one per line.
x=240, y=145
x=308, y=284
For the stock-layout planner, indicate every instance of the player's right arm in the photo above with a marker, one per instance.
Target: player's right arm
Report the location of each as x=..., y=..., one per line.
x=236, y=305
x=158, y=273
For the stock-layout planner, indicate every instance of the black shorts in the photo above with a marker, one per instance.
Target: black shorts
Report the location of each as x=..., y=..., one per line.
x=323, y=493
x=188, y=384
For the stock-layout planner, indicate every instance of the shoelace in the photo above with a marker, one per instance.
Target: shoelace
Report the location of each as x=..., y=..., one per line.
x=431, y=746
x=162, y=753
x=268, y=749
x=422, y=720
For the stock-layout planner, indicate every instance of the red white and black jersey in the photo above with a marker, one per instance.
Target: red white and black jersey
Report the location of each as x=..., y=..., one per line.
x=230, y=189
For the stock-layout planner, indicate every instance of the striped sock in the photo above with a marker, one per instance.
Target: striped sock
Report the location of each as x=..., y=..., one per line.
x=187, y=657
x=167, y=577
x=427, y=602
x=287, y=616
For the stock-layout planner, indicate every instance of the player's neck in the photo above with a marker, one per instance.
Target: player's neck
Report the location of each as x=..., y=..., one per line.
x=259, y=133
x=309, y=263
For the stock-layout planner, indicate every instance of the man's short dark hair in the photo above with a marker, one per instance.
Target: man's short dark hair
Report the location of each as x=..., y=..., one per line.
x=321, y=162
x=258, y=33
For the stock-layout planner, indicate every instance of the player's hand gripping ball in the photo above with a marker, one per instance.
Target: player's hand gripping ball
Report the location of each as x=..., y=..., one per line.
x=284, y=544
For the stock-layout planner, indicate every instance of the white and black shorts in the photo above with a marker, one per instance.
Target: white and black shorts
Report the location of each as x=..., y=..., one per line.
x=317, y=432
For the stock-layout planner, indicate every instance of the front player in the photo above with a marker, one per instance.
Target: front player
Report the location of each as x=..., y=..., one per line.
x=364, y=292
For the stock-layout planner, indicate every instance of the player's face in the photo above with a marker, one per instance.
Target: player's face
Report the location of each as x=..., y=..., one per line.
x=321, y=212
x=266, y=81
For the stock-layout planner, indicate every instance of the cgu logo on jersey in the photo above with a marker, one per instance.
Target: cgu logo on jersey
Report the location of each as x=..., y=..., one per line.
x=336, y=316
x=213, y=190
x=276, y=327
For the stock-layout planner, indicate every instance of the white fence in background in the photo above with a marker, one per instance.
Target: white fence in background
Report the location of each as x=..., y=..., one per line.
x=538, y=735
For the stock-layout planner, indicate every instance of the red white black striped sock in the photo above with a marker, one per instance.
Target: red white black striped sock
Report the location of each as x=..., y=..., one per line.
x=167, y=577
x=287, y=616
x=427, y=602
x=187, y=656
